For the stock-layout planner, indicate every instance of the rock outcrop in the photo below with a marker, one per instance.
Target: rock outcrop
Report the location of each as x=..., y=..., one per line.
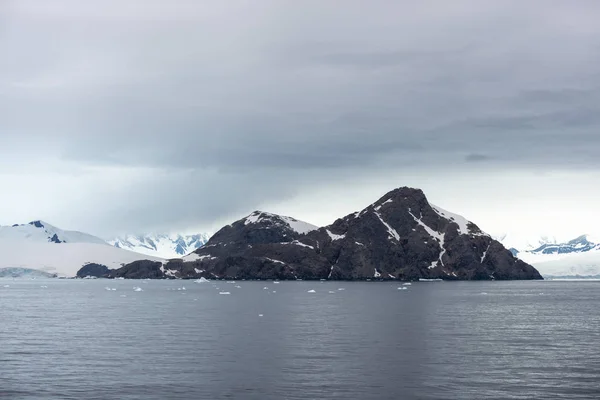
x=401, y=236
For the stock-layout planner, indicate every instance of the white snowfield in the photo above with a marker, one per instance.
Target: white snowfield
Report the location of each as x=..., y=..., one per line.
x=570, y=265
x=63, y=259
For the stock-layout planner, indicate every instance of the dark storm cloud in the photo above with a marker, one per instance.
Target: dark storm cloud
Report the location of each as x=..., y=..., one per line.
x=286, y=94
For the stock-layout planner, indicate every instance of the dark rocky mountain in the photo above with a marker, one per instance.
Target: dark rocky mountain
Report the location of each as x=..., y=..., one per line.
x=401, y=236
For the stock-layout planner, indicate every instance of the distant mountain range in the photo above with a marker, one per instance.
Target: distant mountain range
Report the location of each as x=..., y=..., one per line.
x=576, y=258
x=163, y=245
x=400, y=236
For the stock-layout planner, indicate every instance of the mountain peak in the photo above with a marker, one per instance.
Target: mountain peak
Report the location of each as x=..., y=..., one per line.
x=270, y=219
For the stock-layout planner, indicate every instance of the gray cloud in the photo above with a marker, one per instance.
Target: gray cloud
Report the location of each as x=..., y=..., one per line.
x=238, y=104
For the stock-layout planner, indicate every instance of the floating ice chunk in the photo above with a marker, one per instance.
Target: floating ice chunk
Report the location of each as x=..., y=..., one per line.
x=341, y=288
x=6, y=286
x=483, y=293
x=265, y=288
x=44, y=287
x=402, y=288
x=407, y=284
x=137, y=289
x=275, y=282
x=230, y=281
x=311, y=291
x=260, y=315
x=238, y=287
x=331, y=291
x=274, y=291
x=224, y=293
x=123, y=295
x=201, y=280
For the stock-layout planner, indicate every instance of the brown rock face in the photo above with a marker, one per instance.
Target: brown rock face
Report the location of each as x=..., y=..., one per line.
x=400, y=236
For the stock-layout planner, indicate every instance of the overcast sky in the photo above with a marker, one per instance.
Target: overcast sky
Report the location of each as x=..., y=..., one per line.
x=153, y=115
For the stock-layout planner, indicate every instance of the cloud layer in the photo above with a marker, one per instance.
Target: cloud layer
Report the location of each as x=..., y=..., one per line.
x=175, y=115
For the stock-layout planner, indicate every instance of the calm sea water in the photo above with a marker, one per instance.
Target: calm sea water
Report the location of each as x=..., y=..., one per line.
x=495, y=340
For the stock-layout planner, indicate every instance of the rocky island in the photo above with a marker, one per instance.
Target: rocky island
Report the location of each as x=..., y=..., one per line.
x=399, y=237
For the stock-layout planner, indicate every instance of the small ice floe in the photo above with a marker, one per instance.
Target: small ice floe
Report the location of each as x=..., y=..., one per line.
x=541, y=294
x=402, y=288
x=123, y=295
x=341, y=288
x=6, y=286
x=238, y=287
x=260, y=315
x=181, y=288
x=276, y=282
x=483, y=293
x=265, y=288
x=312, y=291
x=44, y=287
x=331, y=291
x=137, y=289
x=230, y=281
x=201, y=280
x=407, y=284
x=274, y=291
x=224, y=293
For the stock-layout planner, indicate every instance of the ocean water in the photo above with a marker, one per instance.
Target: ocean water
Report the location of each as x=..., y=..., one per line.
x=74, y=339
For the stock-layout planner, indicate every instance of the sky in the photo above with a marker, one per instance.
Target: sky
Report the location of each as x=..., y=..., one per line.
x=121, y=116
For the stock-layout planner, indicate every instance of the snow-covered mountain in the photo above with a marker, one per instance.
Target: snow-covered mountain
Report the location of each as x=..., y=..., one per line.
x=41, y=232
x=163, y=246
x=581, y=244
x=42, y=247
x=579, y=257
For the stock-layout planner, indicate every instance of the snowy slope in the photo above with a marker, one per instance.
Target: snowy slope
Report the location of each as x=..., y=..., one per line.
x=63, y=259
x=42, y=232
x=279, y=220
x=462, y=222
x=163, y=246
